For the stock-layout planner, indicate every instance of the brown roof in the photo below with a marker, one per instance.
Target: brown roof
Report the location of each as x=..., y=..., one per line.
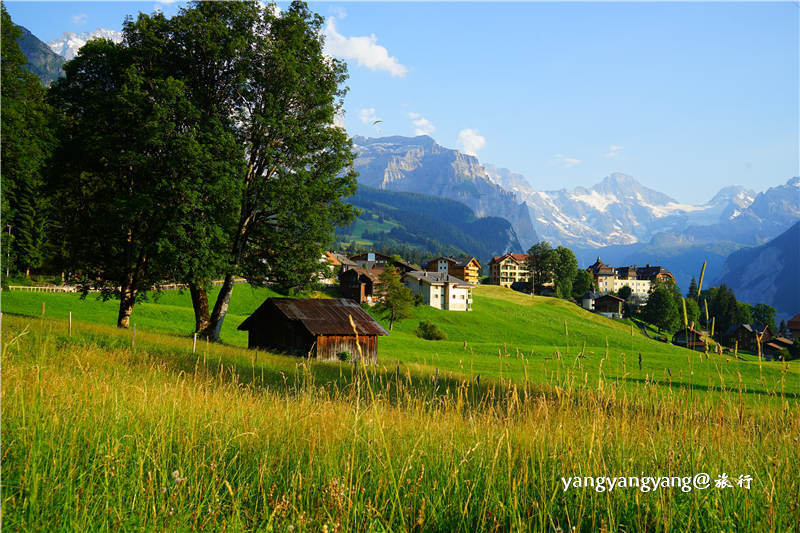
x=782, y=340
x=794, y=322
x=320, y=316
x=373, y=274
x=519, y=258
x=600, y=268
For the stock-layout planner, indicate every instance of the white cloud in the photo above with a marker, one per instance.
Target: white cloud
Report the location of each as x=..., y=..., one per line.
x=613, y=151
x=422, y=126
x=80, y=19
x=368, y=115
x=338, y=12
x=567, y=162
x=470, y=141
x=166, y=1
x=364, y=50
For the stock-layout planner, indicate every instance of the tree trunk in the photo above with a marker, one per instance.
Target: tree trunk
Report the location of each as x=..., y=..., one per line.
x=126, y=300
x=220, y=308
x=200, y=305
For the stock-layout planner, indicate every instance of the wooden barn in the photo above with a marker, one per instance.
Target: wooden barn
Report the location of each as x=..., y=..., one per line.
x=360, y=285
x=318, y=328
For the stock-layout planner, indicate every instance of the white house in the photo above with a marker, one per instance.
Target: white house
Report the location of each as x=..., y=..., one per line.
x=440, y=290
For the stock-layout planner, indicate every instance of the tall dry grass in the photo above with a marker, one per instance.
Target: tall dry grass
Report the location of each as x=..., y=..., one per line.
x=99, y=436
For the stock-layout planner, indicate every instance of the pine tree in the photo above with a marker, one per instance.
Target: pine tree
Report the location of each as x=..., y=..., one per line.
x=396, y=298
x=692, y=292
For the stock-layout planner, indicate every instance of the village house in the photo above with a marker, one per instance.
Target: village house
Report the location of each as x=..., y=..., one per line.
x=464, y=268
x=360, y=285
x=609, y=306
x=695, y=341
x=777, y=346
x=746, y=335
x=336, y=259
x=318, y=328
x=506, y=269
x=793, y=325
x=440, y=290
x=639, y=279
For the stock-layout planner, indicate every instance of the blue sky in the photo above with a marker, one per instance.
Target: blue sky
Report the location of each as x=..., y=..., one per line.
x=685, y=97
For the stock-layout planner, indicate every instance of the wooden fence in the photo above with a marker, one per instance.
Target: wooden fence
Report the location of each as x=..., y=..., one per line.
x=75, y=288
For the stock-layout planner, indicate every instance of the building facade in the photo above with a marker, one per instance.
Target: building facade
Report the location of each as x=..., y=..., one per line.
x=440, y=290
x=639, y=279
x=464, y=268
x=324, y=329
x=509, y=268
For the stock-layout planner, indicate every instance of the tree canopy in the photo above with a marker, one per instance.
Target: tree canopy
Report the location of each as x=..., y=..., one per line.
x=26, y=144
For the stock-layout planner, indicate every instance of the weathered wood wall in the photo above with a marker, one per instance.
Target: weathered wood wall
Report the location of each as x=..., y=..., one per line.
x=330, y=345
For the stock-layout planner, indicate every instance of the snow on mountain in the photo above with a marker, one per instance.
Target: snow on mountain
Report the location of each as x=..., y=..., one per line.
x=69, y=43
x=421, y=165
x=620, y=210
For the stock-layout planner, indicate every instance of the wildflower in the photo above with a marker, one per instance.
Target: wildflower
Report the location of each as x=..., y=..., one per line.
x=176, y=477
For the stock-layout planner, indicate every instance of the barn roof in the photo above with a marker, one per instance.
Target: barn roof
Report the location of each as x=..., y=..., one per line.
x=320, y=316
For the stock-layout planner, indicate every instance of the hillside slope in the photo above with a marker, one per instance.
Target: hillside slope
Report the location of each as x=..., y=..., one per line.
x=508, y=335
x=427, y=223
x=768, y=274
x=41, y=60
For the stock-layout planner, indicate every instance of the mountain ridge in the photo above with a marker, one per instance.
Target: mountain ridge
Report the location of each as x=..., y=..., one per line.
x=767, y=273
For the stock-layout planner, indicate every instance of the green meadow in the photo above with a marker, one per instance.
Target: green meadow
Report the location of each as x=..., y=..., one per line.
x=472, y=433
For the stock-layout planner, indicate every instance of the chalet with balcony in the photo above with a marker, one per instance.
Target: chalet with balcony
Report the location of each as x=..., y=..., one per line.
x=464, y=268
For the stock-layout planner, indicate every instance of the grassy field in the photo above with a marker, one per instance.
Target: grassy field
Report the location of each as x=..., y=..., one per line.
x=99, y=435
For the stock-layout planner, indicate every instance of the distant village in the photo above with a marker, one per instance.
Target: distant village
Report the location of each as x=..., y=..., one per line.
x=446, y=283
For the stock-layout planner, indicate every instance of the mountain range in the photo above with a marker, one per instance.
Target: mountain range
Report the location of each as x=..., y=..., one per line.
x=421, y=165
x=768, y=274
x=618, y=218
x=69, y=43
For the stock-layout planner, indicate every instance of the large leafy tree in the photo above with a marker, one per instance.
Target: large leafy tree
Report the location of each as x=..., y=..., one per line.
x=281, y=94
x=764, y=315
x=724, y=308
x=26, y=145
x=540, y=264
x=565, y=269
x=138, y=164
x=582, y=284
x=662, y=306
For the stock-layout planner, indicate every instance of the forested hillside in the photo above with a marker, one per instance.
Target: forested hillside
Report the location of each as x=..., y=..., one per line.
x=428, y=223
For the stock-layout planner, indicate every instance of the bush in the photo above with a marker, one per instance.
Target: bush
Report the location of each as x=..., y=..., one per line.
x=430, y=331
x=343, y=356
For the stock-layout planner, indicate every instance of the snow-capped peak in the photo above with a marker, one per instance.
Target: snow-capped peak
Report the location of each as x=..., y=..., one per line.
x=69, y=43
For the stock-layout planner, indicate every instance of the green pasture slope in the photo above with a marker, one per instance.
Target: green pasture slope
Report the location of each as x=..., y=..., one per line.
x=507, y=335
x=100, y=435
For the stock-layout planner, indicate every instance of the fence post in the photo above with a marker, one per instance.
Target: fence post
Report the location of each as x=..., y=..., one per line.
x=70, y=323
x=194, y=342
x=436, y=381
x=133, y=338
x=42, y=308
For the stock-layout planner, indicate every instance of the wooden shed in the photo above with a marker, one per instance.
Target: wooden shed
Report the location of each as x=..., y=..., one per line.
x=318, y=328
